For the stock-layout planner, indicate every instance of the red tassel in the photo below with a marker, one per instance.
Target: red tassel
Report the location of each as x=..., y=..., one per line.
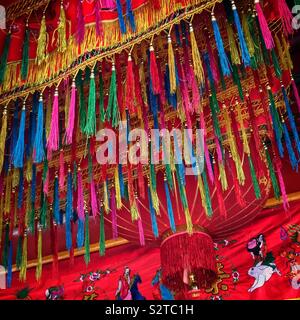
x=154, y=72
x=195, y=92
x=130, y=185
x=99, y=27
x=162, y=97
x=266, y=33
x=130, y=87
x=296, y=93
x=72, y=248
x=286, y=16
x=61, y=170
x=278, y=165
x=71, y=120
x=80, y=199
x=119, y=83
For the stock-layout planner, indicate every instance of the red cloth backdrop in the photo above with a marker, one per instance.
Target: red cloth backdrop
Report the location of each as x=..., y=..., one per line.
x=282, y=238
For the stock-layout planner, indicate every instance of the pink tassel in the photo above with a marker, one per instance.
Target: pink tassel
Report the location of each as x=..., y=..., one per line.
x=285, y=201
x=80, y=23
x=114, y=214
x=46, y=184
x=71, y=120
x=286, y=16
x=296, y=93
x=219, y=151
x=94, y=203
x=53, y=139
x=80, y=199
x=108, y=4
x=266, y=33
x=61, y=170
x=99, y=27
x=154, y=72
x=141, y=232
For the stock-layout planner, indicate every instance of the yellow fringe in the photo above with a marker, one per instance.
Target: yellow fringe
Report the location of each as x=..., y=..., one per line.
x=105, y=200
x=286, y=51
x=248, y=37
x=8, y=191
x=3, y=138
x=197, y=63
x=235, y=57
x=134, y=212
x=223, y=177
x=280, y=53
x=23, y=270
x=188, y=219
x=155, y=200
x=243, y=129
x=118, y=191
x=42, y=43
x=202, y=194
x=28, y=173
x=171, y=63
x=61, y=41
x=15, y=178
x=39, y=267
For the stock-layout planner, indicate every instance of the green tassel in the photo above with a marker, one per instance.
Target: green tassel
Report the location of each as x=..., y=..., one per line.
x=90, y=127
x=82, y=107
x=101, y=98
x=272, y=175
x=4, y=57
x=112, y=112
x=87, y=253
x=254, y=179
x=75, y=177
x=258, y=58
x=181, y=189
x=223, y=83
x=31, y=218
x=19, y=252
x=215, y=121
x=153, y=177
x=25, y=55
x=102, y=234
x=237, y=81
x=126, y=194
x=207, y=195
x=43, y=215
x=90, y=165
x=276, y=65
x=45, y=170
x=5, y=247
x=169, y=176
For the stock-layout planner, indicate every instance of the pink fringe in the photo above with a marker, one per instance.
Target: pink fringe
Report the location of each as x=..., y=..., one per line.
x=266, y=33
x=80, y=199
x=286, y=16
x=71, y=120
x=61, y=170
x=141, y=232
x=296, y=94
x=108, y=4
x=285, y=201
x=94, y=203
x=53, y=139
x=114, y=214
x=154, y=74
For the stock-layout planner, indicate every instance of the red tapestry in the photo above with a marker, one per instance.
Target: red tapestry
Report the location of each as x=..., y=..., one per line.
x=261, y=261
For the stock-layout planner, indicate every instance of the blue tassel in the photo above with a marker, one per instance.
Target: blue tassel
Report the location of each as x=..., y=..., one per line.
x=172, y=98
x=170, y=208
x=56, y=201
x=130, y=15
x=34, y=120
x=80, y=234
x=9, y=265
x=177, y=34
x=292, y=120
x=222, y=54
x=289, y=147
x=244, y=49
x=18, y=155
x=166, y=294
x=153, y=216
x=121, y=181
x=14, y=131
x=121, y=17
x=33, y=184
x=184, y=33
x=69, y=212
x=21, y=189
x=38, y=141
x=179, y=160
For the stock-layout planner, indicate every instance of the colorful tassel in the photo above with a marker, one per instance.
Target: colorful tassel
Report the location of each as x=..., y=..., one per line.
x=87, y=251
x=80, y=233
x=284, y=196
x=56, y=210
x=255, y=182
x=121, y=17
x=102, y=233
x=266, y=33
x=154, y=74
x=80, y=198
x=61, y=41
x=69, y=211
x=197, y=63
x=3, y=134
x=101, y=98
x=234, y=52
x=272, y=174
x=42, y=43
x=152, y=215
x=141, y=232
x=130, y=15
x=4, y=57
x=71, y=120
x=94, y=204
x=220, y=46
x=286, y=16
x=80, y=33
x=112, y=112
x=90, y=127
x=130, y=87
x=169, y=206
x=25, y=54
x=53, y=139
x=23, y=269
x=118, y=189
x=18, y=155
x=114, y=214
x=171, y=67
x=39, y=267
x=19, y=252
x=39, y=136
x=9, y=265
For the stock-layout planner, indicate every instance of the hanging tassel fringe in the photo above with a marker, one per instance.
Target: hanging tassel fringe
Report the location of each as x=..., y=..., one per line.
x=18, y=156
x=53, y=139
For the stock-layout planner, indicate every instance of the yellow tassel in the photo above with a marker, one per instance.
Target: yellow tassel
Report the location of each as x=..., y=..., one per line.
x=134, y=212
x=286, y=51
x=155, y=200
x=39, y=267
x=105, y=200
x=48, y=117
x=42, y=43
x=118, y=191
x=223, y=177
x=171, y=63
x=197, y=63
x=188, y=219
x=28, y=173
x=233, y=148
x=15, y=178
x=242, y=126
x=61, y=41
x=3, y=138
x=23, y=270
x=235, y=57
x=280, y=53
x=8, y=191
x=202, y=194
x=248, y=37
